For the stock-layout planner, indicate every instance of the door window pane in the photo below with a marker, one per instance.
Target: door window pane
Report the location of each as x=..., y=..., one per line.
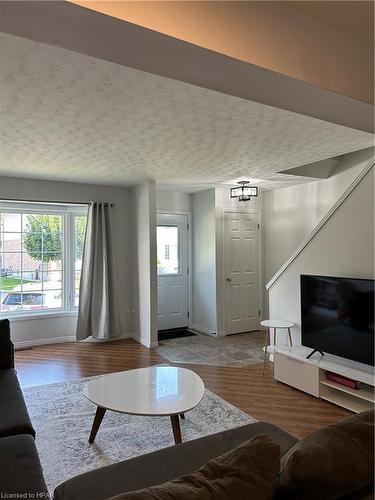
x=168, y=250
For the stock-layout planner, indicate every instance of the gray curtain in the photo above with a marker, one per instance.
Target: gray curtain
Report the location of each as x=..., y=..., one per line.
x=97, y=311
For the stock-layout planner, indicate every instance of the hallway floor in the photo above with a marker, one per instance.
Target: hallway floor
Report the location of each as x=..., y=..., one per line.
x=239, y=350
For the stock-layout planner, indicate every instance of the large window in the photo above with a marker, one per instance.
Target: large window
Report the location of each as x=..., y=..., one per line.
x=40, y=257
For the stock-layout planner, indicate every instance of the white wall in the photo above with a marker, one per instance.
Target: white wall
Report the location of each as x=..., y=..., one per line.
x=173, y=201
x=343, y=247
x=144, y=283
x=60, y=328
x=291, y=213
x=204, y=262
x=224, y=203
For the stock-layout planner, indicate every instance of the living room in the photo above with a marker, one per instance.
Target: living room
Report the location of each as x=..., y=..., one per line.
x=195, y=226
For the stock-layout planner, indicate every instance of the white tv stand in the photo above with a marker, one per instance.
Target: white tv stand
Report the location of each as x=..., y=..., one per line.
x=309, y=375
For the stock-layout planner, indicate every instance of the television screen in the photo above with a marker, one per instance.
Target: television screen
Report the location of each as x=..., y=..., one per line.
x=337, y=316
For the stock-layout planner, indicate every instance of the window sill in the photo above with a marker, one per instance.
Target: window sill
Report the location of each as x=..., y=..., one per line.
x=28, y=317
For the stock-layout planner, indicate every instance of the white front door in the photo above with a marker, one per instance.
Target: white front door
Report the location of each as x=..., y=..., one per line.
x=241, y=272
x=172, y=271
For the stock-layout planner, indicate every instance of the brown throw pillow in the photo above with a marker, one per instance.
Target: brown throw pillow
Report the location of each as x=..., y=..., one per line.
x=246, y=472
x=331, y=462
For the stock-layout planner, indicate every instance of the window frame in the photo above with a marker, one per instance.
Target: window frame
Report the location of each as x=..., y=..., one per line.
x=68, y=213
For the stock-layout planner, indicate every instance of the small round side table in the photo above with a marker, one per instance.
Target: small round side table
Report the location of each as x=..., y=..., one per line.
x=275, y=324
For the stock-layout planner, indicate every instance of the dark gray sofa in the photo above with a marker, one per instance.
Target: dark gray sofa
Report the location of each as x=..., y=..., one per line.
x=164, y=465
x=21, y=472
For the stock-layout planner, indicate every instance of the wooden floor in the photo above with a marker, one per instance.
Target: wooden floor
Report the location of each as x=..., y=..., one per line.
x=259, y=396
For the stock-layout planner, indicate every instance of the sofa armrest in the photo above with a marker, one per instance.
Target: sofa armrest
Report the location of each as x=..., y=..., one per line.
x=6, y=346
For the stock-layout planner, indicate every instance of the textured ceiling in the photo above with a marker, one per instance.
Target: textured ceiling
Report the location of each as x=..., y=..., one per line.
x=66, y=116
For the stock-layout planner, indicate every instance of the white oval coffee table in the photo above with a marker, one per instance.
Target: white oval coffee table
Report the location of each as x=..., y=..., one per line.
x=156, y=391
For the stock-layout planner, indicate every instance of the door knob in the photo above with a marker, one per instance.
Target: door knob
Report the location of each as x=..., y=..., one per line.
x=229, y=280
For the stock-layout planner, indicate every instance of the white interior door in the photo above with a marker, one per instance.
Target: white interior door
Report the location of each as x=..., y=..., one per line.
x=172, y=271
x=241, y=268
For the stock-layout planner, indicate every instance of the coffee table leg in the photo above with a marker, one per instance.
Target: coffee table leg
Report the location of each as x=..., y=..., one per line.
x=182, y=415
x=176, y=429
x=100, y=412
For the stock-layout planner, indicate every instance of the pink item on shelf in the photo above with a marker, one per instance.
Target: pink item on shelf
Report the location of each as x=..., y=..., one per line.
x=340, y=379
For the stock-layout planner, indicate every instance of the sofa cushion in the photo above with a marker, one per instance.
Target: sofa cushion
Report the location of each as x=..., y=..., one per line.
x=331, y=462
x=21, y=472
x=165, y=464
x=14, y=418
x=248, y=471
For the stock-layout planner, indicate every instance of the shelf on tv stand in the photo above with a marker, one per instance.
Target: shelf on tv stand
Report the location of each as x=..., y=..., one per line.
x=366, y=393
x=309, y=375
x=350, y=403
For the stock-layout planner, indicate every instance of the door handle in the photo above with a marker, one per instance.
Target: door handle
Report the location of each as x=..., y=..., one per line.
x=229, y=280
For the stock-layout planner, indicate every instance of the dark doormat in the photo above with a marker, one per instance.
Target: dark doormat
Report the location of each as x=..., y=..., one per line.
x=175, y=333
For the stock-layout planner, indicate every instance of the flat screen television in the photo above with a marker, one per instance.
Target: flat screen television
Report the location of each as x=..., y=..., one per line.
x=337, y=316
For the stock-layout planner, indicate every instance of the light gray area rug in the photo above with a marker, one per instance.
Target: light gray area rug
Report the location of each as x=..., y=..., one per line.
x=63, y=417
x=240, y=350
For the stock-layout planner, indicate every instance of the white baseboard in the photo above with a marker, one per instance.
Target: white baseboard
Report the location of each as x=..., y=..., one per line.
x=126, y=335
x=144, y=341
x=202, y=329
x=221, y=334
x=59, y=340
x=35, y=342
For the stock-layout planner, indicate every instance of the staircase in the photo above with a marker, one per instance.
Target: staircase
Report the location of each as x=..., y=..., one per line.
x=342, y=244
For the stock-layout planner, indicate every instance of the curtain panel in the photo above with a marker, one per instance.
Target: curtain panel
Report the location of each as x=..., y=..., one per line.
x=98, y=311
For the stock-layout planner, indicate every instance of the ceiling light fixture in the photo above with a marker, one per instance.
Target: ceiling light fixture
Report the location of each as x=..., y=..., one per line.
x=244, y=192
